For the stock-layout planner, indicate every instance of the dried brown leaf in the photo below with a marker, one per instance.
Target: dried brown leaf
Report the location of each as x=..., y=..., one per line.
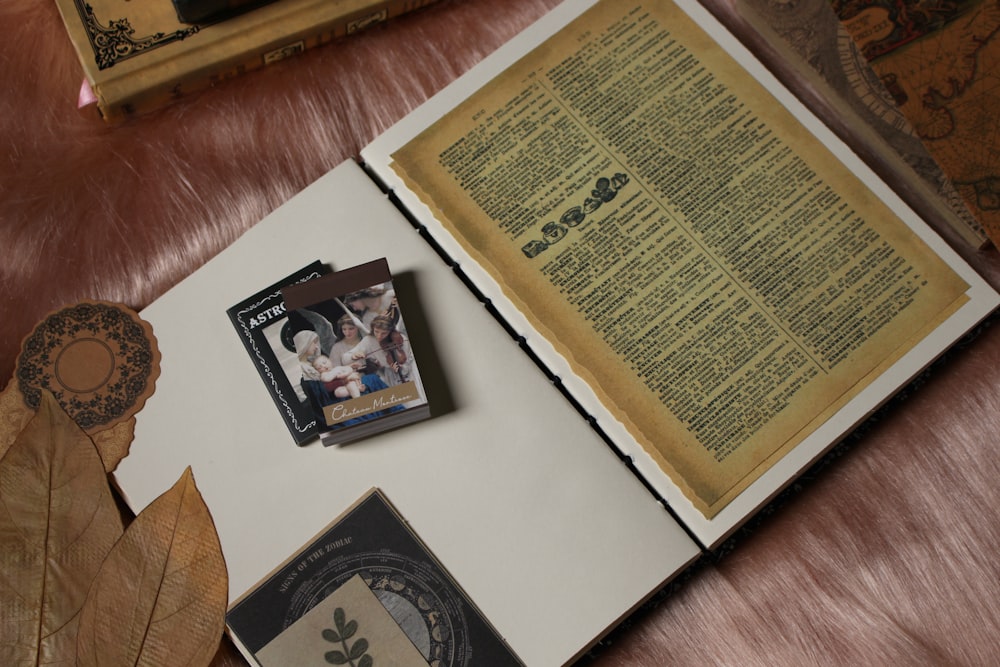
x=14, y=415
x=113, y=443
x=58, y=520
x=161, y=595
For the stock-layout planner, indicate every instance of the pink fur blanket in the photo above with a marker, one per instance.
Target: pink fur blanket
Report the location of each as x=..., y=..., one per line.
x=887, y=556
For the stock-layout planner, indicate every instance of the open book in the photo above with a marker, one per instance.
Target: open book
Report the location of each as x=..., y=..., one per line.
x=715, y=288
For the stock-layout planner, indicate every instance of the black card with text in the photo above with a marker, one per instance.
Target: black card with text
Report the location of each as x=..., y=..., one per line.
x=263, y=325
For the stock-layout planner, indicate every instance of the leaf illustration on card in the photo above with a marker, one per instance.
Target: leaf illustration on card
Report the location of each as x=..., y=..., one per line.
x=353, y=653
x=58, y=520
x=160, y=598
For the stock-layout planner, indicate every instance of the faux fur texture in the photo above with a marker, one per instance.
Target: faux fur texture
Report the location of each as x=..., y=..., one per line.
x=886, y=556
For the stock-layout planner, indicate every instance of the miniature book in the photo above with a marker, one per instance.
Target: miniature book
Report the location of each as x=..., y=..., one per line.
x=263, y=325
x=356, y=366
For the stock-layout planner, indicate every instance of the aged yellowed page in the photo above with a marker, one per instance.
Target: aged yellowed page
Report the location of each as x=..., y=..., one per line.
x=701, y=260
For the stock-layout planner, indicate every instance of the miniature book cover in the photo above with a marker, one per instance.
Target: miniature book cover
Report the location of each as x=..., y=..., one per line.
x=266, y=331
x=356, y=366
x=366, y=586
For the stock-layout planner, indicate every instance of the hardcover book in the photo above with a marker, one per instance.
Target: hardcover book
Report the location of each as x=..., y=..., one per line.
x=653, y=287
x=137, y=56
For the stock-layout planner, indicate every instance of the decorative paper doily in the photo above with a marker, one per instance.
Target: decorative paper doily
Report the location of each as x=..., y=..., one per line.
x=100, y=361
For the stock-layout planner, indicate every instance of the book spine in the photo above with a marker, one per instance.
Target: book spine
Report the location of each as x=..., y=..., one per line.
x=118, y=100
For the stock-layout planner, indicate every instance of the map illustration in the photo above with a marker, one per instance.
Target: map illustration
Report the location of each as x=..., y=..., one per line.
x=940, y=60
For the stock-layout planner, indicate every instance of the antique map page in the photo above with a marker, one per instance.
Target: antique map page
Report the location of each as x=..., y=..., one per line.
x=809, y=48
x=700, y=259
x=941, y=62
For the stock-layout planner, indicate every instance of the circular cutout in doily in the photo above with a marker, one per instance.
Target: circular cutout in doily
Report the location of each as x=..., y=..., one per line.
x=98, y=359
